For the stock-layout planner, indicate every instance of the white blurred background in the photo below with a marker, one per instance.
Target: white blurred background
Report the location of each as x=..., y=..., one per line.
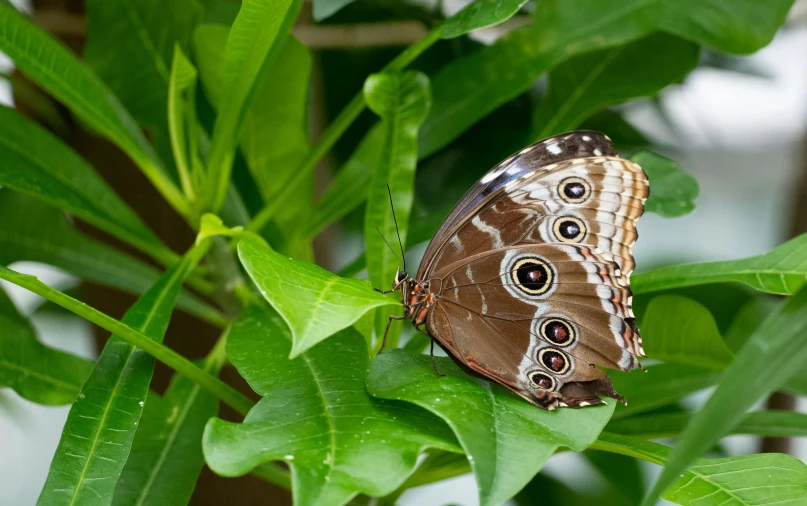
x=744, y=138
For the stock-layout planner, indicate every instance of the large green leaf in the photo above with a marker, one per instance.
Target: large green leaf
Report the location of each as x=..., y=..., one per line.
x=102, y=422
x=312, y=301
x=40, y=233
x=36, y=372
x=468, y=89
x=679, y=330
x=317, y=417
x=774, y=353
x=749, y=480
x=402, y=100
x=38, y=164
x=61, y=74
x=760, y=423
x=130, y=46
x=166, y=456
x=479, y=14
x=349, y=187
x=506, y=439
x=591, y=82
x=673, y=191
x=661, y=384
x=782, y=270
x=253, y=46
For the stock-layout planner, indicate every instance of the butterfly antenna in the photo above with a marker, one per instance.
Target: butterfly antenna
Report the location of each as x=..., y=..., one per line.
x=385, y=242
x=397, y=232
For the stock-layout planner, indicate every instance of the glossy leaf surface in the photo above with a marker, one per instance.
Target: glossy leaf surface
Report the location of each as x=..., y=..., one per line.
x=507, y=440
x=317, y=417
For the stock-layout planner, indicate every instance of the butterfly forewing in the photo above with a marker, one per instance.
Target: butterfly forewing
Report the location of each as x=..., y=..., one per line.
x=530, y=271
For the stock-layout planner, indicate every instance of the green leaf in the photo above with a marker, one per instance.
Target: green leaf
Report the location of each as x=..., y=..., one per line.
x=312, y=301
x=102, y=422
x=591, y=82
x=469, y=88
x=782, y=270
x=479, y=14
x=36, y=372
x=759, y=423
x=253, y=46
x=40, y=233
x=166, y=456
x=326, y=8
x=673, y=190
x=349, y=187
x=211, y=225
x=182, y=124
x=402, y=100
x=773, y=354
x=623, y=473
x=679, y=330
x=69, y=80
x=145, y=31
x=38, y=164
x=317, y=417
x=750, y=480
x=662, y=384
x=506, y=439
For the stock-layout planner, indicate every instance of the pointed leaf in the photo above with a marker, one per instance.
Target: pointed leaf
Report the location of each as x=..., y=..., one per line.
x=677, y=329
x=506, y=439
x=39, y=233
x=312, y=301
x=469, y=88
x=36, y=372
x=674, y=191
x=70, y=81
x=253, y=46
x=773, y=354
x=782, y=270
x=750, y=480
x=183, y=127
x=145, y=31
x=166, y=456
x=317, y=416
x=38, y=164
x=591, y=82
x=101, y=425
x=479, y=14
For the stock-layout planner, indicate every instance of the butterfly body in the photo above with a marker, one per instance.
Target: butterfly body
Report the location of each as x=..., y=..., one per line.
x=526, y=283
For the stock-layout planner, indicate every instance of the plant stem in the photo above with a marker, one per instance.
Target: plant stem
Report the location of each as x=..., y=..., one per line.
x=631, y=447
x=335, y=130
x=273, y=474
x=169, y=357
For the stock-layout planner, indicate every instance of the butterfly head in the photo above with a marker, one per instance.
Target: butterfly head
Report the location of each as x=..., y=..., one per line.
x=400, y=277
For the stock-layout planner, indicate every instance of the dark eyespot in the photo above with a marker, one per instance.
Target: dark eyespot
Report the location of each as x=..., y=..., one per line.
x=553, y=360
x=574, y=190
x=532, y=275
x=401, y=276
x=569, y=229
x=557, y=332
x=542, y=380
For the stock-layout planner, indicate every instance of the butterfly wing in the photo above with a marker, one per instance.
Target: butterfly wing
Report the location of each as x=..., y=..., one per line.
x=576, y=217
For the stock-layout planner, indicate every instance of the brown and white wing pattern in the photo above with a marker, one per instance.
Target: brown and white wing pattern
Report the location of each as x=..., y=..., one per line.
x=532, y=286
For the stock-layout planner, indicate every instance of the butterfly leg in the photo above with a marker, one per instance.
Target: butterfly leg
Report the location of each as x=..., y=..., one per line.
x=434, y=363
x=386, y=331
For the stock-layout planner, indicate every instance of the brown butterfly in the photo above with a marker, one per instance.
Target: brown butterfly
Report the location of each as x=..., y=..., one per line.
x=526, y=283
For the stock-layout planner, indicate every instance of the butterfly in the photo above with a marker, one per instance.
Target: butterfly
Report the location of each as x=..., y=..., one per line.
x=526, y=282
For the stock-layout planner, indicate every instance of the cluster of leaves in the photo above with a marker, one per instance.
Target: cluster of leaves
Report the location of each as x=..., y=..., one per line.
x=233, y=158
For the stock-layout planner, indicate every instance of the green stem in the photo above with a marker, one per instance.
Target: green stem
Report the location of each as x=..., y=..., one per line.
x=631, y=447
x=165, y=355
x=335, y=130
x=273, y=474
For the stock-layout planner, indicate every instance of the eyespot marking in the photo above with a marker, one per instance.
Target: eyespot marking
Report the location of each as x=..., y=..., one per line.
x=542, y=380
x=558, y=332
x=532, y=275
x=569, y=229
x=554, y=360
x=574, y=190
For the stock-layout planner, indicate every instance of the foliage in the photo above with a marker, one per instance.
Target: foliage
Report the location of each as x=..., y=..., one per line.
x=212, y=100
